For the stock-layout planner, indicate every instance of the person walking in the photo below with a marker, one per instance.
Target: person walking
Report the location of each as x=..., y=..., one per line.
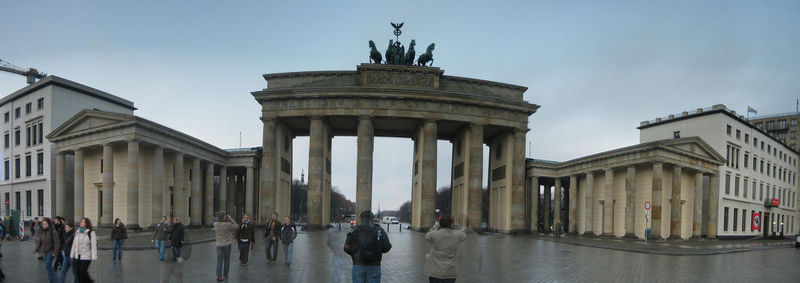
x=245, y=238
x=118, y=235
x=36, y=228
x=66, y=248
x=273, y=230
x=366, y=243
x=160, y=237
x=445, y=236
x=84, y=249
x=48, y=244
x=176, y=238
x=58, y=223
x=224, y=230
x=288, y=234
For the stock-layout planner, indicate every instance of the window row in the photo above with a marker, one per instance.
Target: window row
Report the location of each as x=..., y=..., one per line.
x=28, y=202
x=772, y=222
x=28, y=110
x=755, y=190
x=769, y=148
x=28, y=166
x=34, y=134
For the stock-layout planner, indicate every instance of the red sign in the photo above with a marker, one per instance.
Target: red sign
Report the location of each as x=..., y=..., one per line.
x=6, y=202
x=647, y=205
x=775, y=202
x=756, y=223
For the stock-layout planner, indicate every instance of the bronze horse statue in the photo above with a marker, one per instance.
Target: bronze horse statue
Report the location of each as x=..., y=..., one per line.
x=427, y=56
x=374, y=55
x=389, y=52
x=409, y=59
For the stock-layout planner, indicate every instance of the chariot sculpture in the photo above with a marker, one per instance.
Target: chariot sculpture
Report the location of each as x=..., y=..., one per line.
x=396, y=53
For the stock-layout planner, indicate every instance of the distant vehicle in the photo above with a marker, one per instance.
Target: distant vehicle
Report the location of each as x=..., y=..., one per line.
x=390, y=219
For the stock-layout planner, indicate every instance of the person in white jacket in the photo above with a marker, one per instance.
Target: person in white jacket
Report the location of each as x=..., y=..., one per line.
x=84, y=249
x=442, y=262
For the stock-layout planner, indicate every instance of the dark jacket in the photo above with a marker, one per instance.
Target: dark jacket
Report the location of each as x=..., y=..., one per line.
x=119, y=232
x=61, y=232
x=246, y=232
x=162, y=232
x=177, y=235
x=273, y=229
x=67, y=243
x=288, y=233
x=366, y=243
x=47, y=242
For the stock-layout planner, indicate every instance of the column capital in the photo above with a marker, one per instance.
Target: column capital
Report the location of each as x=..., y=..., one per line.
x=428, y=121
x=132, y=140
x=317, y=117
x=108, y=144
x=366, y=117
x=475, y=125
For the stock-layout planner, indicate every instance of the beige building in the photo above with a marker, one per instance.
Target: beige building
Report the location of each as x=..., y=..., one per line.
x=28, y=161
x=782, y=126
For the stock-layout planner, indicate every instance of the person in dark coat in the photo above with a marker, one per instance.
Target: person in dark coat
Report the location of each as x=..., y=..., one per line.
x=245, y=238
x=365, y=244
x=118, y=234
x=176, y=238
x=288, y=234
x=273, y=232
x=66, y=248
x=58, y=223
x=48, y=244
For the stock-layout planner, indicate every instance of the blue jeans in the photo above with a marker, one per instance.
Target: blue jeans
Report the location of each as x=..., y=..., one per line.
x=287, y=252
x=117, y=251
x=68, y=262
x=48, y=264
x=272, y=246
x=162, y=248
x=223, y=260
x=366, y=273
x=176, y=252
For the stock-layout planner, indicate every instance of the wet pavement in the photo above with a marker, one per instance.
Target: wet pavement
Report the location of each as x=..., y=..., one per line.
x=318, y=257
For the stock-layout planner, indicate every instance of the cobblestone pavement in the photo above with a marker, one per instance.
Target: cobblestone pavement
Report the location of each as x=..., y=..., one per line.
x=318, y=257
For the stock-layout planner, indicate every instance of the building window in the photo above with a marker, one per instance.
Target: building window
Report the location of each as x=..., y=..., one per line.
x=728, y=130
x=738, y=134
x=28, y=136
x=28, y=108
x=727, y=184
x=781, y=124
x=725, y=220
x=28, y=201
x=746, y=138
x=40, y=103
x=736, y=186
x=17, y=167
x=41, y=132
x=101, y=166
x=676, y=134
x=754, y=189
x=34, y=134
x=40, y=163
x=755, y=161
x=40, y=197
x=761, y=192
x=762, y=166
x=770, y=125
x=7, y=116
x=16, y=113
x=6, y=169
x=794, y=135
x=794, y=121
x=735, y=217
x=746, y=158
x=6, y=140
x=18, y=201
x=744, y=219
x=762, y=145
x=755, y=141
x=27, y=165
x=16, y=137
x=744, y=187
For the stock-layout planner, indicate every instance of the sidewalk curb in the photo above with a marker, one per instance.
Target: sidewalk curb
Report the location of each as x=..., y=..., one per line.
x=672, y=253
x=151, y=246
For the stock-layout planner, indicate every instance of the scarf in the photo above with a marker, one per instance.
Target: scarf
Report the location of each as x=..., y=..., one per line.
x=81, y=229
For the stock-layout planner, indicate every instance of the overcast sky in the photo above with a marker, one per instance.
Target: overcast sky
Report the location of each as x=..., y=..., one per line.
x=597, y=68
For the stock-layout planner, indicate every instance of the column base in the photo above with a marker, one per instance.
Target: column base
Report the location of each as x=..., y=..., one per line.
x=588, y=234
x=608, y=235
x=696, y=237
x=674, y=237
x=133, y=227
x=629, y=236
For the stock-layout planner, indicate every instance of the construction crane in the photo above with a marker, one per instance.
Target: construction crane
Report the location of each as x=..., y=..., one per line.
x=31, y=73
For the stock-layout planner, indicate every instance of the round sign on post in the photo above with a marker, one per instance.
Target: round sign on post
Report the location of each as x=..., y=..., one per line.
x=756, y=221
x=647, y=205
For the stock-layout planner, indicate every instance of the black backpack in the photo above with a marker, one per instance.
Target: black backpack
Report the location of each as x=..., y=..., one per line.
x=369, y=243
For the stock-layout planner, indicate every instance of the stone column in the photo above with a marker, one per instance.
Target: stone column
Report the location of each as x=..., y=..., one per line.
x=534, y=203
x=546, y=201
x=518, y=181
x=657, y=182
x=248, y=191
x=223, y=190
x=698, y=205
x=713, y=206
x=208, y=196
x=475, y=182
x=197, y=197
x=61, y=184
x=608, y=203
x=676, y=213
x=79, y=189
x=108, y=185
x=590, y=199
x=365, y=145
x=316, y=167
x=573, y=204
x=178, y=195
x=429, y=149
x=557, y=206
x=133, y=185
x=158, y=185
x=269, y=167
x=630, y=203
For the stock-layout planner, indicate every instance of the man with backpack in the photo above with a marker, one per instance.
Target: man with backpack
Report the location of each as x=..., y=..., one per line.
x=365, y=244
